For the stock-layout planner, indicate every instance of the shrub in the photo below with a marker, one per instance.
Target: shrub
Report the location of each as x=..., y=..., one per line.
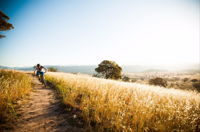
x=98, y=75
x=126, y=79
x=185, y=79
x=158, y=81
x=133, y=79
x=52, y=69
x=194, y=80
x=196, y=85
x=142, y=79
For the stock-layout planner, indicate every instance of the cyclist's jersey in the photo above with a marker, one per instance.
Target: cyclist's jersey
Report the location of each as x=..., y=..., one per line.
x=40, y=69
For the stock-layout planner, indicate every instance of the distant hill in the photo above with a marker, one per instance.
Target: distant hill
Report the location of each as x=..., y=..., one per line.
x=76, y=69
x=72, y=69
x=17, y=68
x=4, y=67
x=90, y=69
x=155, y=70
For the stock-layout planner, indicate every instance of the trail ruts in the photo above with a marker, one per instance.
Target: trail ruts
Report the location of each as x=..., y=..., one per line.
x=44, y=112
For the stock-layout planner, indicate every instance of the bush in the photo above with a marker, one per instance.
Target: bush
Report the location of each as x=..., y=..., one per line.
x=52, y=69
x=133, y=79
x=185, y=79
x=196, y=85
x=194, y=80
x=158, y=81
x=126, y=79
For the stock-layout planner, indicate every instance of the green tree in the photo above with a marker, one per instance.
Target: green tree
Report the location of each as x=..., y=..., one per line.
x=4, y=25
x=109, y=69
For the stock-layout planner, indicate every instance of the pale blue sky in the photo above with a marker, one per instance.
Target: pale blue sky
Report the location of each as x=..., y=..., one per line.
x=85, y=32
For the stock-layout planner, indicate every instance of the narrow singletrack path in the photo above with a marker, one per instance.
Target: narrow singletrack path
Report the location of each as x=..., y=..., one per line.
x=42, y=112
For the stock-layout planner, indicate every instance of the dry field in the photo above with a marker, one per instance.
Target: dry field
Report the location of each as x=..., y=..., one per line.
x=175, y=80
x=109, y=105
x=13, y=86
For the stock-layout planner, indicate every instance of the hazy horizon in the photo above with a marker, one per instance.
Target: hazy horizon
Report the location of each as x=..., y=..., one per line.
x=125, y=68
x=169, y=65
x=146, y=32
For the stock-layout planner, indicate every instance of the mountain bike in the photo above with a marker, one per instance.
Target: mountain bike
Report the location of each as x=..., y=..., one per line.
x=42, y=80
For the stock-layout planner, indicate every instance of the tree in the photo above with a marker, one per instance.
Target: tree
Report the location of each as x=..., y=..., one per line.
x=158, y=81
x=4, y=25
x=109, y=69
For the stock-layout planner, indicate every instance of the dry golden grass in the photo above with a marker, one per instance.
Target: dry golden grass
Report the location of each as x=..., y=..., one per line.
x=109, y=105
x=13, y=85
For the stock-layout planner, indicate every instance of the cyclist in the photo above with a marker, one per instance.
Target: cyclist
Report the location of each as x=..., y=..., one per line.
x=39, y=71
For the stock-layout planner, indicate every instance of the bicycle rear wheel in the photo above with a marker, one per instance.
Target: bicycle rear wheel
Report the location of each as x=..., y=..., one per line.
x=43, y=81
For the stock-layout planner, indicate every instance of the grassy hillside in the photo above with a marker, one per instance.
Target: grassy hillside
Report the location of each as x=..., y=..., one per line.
x=13, y=85
x=109, y=105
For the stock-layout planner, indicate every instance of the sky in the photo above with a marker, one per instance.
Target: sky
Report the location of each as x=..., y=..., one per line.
x=86, y=32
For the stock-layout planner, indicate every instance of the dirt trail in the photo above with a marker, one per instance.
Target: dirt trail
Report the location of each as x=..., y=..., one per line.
x=42, y=112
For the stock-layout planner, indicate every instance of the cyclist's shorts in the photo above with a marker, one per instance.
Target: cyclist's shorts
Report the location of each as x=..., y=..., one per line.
x=40, y=73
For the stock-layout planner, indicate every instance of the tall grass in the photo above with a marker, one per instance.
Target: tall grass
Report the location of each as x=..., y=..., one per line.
x=109, y=105
x=13, y=85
